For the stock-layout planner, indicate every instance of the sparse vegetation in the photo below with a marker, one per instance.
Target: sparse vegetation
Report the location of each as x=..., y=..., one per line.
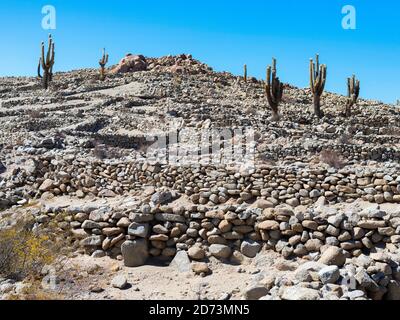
x=102, y=151
x=353, y=91
x=274, y=90
x=102, y=62
x=317, y=83
x=35, y=114
x=46, y=62
x=24, y=252
x=331, y=158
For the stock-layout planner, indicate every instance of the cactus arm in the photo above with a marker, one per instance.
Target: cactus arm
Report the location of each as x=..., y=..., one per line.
x=38, y=69
x=42, y=59
x=312, y=75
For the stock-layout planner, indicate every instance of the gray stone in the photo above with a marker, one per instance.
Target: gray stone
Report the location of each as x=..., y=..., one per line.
x=336, y=220
x=255, y=292
x=372, y=213
x=161, y=197
x=88, y=224
x=365, y=281
x=170, y=217
x=181, y=262
x=196, y=253
x=139, y=229
x=46, y=185
x=92, y=241
x=315, y=193
x=220, y=251
x=141, y=217
x=355, y=294
x=393, y=290
x=135, y=252
x=329, y=274
x=333, y=256
x=250, y=248
x=294, y=202
x=100, y=215
x=119, y=282
x=98, y=254
x=300, y=293
x=302, y=273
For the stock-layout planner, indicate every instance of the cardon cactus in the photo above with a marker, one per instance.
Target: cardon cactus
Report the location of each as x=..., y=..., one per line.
x=102, y=62
x=317, y=83
x=353, y=91
x=245, y=73
x=46, y=62
x=274, y=89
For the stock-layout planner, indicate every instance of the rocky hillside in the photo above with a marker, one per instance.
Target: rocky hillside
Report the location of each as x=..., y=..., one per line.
x=81, y=157
x=79, y=111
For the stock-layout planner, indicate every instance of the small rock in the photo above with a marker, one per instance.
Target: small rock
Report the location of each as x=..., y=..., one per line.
x=250, y=248
x=333, y=256
x=196, y=253
x=200, y=267
x=119, y=282
x=300, y=293
x=220, y=251
x=329, y=274
x=255, y=292
x=181, y=262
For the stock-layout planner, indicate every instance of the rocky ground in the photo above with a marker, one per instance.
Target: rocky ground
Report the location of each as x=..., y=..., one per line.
x=316, y=215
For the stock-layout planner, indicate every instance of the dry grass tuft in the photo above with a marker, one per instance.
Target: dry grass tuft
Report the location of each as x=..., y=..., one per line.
x=331, y=158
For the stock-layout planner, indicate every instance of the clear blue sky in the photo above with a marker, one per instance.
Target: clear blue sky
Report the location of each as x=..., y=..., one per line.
x=224, y=34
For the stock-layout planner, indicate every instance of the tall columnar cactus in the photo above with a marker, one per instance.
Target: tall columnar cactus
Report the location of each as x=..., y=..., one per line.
x=102, y=62
x=46, y=62
x=317, y=83
x=274, y=89
x=353, y=91
x=245, y=72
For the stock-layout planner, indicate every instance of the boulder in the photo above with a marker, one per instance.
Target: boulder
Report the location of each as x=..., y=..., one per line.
x=220, y=251
x=393, y=290
x=255, y=292
x=333, y=256
x=250, y=248
x=139, y=229
x=329, y=274
x=161, y=197
x=46, y=185
x=135, y=252
x=181, y=262
x=196, y=253
x=131, y=63
x=119, y=282
x=200, y=267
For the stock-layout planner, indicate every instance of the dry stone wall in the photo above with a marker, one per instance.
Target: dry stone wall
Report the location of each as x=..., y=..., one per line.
x=295, y=184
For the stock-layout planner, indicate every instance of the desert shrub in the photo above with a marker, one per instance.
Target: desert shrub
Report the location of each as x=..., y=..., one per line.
x=24, y=252
x=102, y=151
x=331, y=158
x=345, y=138
x=35, y=114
